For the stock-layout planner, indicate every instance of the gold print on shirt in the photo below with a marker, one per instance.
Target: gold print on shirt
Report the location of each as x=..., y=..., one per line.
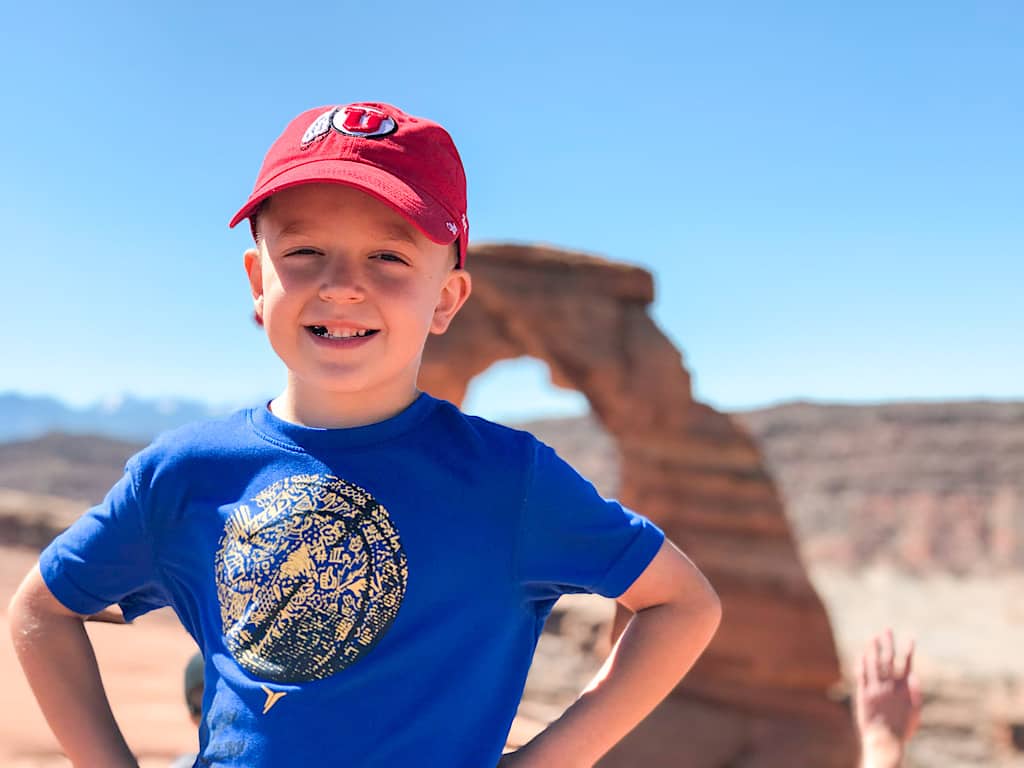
x=309, y=578
x=272, y=698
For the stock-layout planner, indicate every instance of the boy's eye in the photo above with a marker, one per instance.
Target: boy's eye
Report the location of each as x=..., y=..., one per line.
x=303, y=252
x=386, y=256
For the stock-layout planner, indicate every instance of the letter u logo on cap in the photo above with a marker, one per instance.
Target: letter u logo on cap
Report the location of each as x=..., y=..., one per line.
x=356, y=120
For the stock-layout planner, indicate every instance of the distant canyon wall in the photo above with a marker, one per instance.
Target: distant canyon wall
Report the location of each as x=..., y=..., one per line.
x=923, y=486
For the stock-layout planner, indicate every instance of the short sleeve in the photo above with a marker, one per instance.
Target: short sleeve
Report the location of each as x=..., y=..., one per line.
x=573, y=540
x=106, y=557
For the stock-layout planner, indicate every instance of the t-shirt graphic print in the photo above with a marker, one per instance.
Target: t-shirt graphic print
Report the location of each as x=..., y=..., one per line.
x=310, y=576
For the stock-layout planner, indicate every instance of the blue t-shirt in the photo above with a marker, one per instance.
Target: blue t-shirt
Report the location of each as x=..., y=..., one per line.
x=366, y=597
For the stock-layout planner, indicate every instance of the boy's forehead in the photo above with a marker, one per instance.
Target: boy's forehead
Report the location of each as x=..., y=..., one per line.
x=309, y=225
x=311, y=211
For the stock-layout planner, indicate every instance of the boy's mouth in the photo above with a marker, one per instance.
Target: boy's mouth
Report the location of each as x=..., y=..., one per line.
x=340, y=333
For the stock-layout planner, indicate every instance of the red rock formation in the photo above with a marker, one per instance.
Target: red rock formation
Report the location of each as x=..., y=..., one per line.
x=759, y=696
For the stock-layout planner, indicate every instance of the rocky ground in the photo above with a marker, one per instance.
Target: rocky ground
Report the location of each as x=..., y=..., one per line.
x=142, y=667
x=968, y=632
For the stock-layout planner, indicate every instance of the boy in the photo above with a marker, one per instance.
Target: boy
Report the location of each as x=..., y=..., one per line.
x=365, y=569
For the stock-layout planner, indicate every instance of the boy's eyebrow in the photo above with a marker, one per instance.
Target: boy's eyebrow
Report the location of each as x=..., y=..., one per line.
x=399, y=232
x=294, y=227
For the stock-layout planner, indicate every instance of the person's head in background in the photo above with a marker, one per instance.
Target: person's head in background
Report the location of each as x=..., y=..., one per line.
x=194, y=688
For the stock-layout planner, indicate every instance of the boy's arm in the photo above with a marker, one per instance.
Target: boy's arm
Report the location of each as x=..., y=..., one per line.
x=676, y=614
x=58, y=660
x=888, y=703
x=880, y=749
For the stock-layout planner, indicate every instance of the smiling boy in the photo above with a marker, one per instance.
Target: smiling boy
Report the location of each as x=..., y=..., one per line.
x=365, y=568
x=348, y=291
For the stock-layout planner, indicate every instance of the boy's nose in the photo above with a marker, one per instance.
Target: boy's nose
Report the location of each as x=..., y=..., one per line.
x=342, y=283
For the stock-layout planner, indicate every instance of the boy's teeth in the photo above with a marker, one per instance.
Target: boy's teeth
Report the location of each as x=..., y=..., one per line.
x=320, y=330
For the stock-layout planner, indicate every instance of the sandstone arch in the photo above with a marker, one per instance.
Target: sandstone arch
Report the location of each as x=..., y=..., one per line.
x=759, y=696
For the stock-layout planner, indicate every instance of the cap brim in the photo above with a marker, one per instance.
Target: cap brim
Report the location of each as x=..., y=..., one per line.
x=428, y=215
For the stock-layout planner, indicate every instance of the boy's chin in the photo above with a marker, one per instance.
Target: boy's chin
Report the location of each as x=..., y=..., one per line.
x=354, y=387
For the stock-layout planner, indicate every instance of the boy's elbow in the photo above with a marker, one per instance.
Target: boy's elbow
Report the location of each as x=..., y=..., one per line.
x=33, y=604
x=701, y=599
x=706, y=609
x=22, y=620
x=714, y=610
x=21, y=604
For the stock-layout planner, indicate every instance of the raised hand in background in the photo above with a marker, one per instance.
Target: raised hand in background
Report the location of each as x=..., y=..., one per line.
x=888, y=702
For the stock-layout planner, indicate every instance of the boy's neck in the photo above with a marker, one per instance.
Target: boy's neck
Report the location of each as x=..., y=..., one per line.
x=340, y=410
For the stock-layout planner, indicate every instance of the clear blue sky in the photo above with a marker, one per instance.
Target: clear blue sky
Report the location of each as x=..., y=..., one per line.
x=829, y=194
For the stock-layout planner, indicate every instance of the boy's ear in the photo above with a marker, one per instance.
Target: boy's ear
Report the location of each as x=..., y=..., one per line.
x=254, y=269
x=456, y=289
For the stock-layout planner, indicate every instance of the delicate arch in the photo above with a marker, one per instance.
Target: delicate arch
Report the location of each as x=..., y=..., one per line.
x=762, y=688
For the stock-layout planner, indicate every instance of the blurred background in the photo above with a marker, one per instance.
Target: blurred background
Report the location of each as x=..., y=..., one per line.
x=827, y=195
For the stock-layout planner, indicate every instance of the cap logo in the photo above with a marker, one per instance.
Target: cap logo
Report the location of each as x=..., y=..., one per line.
x=367, y=122
x=317, y=128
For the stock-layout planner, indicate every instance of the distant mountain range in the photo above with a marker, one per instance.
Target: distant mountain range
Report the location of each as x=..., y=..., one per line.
x=23, y=417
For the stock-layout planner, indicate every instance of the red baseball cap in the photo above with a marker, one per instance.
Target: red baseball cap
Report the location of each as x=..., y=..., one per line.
x=410, y=163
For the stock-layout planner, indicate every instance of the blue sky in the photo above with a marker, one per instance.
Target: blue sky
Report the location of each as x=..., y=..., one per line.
x=828, y=194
